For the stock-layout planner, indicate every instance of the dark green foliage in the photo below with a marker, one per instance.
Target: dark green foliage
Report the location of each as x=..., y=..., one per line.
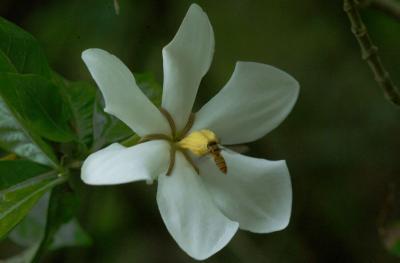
x=22, y=50
x=61, y=228
x=38, y=102
x=16, y=137
x=35, y=106
x=82, y=99
x=106, y=128
x=16, y=201
x=149, y=85
x=24, y=104
x=15, y=172
x=34, y=234
x=49, y=123
x=340, y=142
x=5, y=63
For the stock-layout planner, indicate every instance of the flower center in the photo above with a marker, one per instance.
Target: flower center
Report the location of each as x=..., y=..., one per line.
x=204, y=142
x=199, y=143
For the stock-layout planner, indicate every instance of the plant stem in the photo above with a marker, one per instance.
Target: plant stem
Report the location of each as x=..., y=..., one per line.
x=369, y=52
x=389, y=7
x=9, y=157
x=116, y=7
x=134, y=139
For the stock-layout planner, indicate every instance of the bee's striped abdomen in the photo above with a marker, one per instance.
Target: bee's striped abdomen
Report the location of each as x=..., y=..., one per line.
x=219, y=160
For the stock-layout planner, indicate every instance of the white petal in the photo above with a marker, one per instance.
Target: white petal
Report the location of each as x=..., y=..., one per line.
x=255, y=100
x=186, y=59
x=122, y=96
x=117, y=164
x=190, y=214
x=257, y=193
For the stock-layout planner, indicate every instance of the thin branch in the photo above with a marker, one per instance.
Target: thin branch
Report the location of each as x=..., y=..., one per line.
x=389, y=7
x=369, y=52
x=116, y=7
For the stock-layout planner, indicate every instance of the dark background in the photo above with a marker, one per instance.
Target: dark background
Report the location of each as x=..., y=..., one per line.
x=341, y=141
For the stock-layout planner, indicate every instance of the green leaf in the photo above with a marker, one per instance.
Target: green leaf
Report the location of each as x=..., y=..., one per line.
x=30, y=230
x=22, y=50
x=106, y=128
x=70, y=234
x=150, y=86
x=82, y=98
x=14, y=172
x=24, y=257
x=21, y=53
x=39, y=102
x=100, y=122
x=116, y=131
x=17, y=138
x=15, y=202
x=61, y=228
x=5, y=64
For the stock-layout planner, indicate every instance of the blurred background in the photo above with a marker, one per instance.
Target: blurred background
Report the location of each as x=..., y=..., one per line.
x=341, y=141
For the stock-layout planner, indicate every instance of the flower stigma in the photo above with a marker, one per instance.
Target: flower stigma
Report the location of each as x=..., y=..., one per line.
x=199, y=143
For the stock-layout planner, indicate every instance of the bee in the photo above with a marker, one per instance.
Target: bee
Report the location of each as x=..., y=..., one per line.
x=219, y=160
x=204, y=142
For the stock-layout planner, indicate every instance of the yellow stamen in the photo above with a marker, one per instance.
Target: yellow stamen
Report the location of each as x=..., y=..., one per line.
x=197, y=142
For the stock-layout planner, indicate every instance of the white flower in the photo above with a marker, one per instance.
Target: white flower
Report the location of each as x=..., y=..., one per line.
x=201, y=211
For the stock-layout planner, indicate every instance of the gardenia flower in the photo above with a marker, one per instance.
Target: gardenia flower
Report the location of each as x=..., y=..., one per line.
x=201, y=206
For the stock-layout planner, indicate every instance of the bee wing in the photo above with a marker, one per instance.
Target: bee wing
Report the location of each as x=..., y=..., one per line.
x=237, y=148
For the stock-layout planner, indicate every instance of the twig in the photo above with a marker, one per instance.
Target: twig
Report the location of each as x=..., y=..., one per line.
x=369, y=52
x=9, y=157
x=116, y=7
x=389, y=7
